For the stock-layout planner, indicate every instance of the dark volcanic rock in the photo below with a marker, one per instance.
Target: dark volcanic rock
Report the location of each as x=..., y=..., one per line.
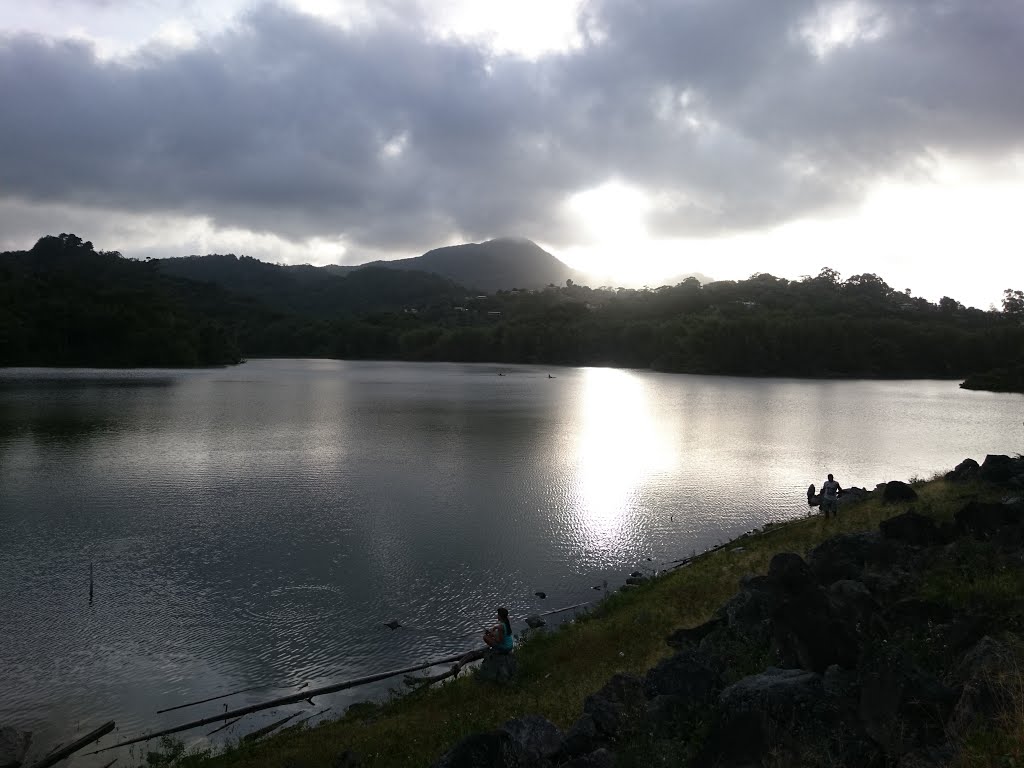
x=965, y=471
x=497, y=668
x=493, y=749
x=810, y=632
x=982, y=676
x=537, y=738
x=688, y=675
x=902, y=707
x=896, y=491
x=691, y=637
x=599, y=758
x=581, y=738
x=788, y=714
x=982, y=520
x=618, y=707
x=911, y=528
x=997, y=468
x=790, y=572
x=847, y=555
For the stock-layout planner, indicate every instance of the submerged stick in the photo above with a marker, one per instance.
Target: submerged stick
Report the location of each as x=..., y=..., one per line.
x=228, y=724
x=74, y=746
x=297, y=723
x=290, y=699
x=264, y=731
x=212, y=698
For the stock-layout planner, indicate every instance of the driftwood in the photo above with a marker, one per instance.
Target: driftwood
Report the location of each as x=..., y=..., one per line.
x=422, y=682
x=57, y=755
x=282, y=701
x=267, y=729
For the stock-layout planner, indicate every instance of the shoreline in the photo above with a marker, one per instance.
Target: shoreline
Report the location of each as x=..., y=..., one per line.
x=560, y=669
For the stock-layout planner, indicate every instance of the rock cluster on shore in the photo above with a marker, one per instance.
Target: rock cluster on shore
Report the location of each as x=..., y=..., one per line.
x=850, y=657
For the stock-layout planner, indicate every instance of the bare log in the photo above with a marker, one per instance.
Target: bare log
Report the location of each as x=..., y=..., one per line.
x=282, y=701
x=56, y=756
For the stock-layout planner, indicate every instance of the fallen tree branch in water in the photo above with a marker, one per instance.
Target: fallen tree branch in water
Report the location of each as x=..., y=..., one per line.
x=294, y=698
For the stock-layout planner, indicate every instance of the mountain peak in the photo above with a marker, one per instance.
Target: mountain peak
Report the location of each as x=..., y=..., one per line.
x=501, y=263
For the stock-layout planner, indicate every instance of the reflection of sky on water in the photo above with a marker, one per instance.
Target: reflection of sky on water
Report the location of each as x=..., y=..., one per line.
x=258, y=525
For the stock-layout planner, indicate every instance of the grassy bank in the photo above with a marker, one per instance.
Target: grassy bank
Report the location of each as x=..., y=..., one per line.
x=626, y=633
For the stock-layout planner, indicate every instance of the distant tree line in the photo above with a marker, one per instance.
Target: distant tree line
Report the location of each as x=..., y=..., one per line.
x=64, y=303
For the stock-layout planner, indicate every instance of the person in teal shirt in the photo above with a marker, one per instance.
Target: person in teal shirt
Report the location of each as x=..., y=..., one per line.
x=499, y=637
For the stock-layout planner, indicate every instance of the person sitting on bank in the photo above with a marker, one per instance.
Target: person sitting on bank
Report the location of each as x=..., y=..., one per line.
x=499, y=637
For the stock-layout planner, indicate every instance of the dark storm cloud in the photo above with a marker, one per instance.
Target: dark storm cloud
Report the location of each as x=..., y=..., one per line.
x=397, y=139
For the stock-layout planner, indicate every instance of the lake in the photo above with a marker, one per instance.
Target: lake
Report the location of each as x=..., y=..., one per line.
x=259, y=525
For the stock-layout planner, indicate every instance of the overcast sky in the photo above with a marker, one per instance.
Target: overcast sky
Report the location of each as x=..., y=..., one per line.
x=639, y=139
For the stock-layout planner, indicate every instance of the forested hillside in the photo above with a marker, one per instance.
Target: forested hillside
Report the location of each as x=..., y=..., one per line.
x=64, y=303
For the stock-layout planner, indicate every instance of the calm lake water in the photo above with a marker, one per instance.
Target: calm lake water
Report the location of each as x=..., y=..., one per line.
x=259, y=525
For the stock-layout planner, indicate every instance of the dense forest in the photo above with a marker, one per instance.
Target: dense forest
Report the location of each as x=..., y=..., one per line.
x=64, y=303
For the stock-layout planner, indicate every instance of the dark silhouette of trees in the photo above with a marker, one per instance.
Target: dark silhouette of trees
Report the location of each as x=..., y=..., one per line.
x=64, y=303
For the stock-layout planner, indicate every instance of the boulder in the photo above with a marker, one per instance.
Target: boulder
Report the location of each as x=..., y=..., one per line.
x=619, y=707
x=896, y=491
x=534, y=621
x=599, y=758
x=785, y=717
x=847, y=555
x=636, y=580
x=347, y=759
x=856, y=607
x=492, y=749
x=911, y=528
x=790, y=572
x=497, y=668
x=811, y=632
x=997, y=468
x=691, y=637
x=982, y=519
x=902, y=707
x=14, y=745
x=985, y=693
x=581, y=738
x=852, y=496
x=537, y=738
x=916, y=615
x=964, y=472
x=749, y=611
x=688, y=675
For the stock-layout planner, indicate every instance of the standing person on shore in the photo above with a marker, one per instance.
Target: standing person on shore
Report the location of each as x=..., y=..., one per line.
x=830, y=491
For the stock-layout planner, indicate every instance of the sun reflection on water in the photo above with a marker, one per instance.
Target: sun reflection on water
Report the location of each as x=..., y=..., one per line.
x=620, y=446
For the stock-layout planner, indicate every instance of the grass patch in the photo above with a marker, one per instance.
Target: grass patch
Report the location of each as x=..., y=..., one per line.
x=558, y=669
